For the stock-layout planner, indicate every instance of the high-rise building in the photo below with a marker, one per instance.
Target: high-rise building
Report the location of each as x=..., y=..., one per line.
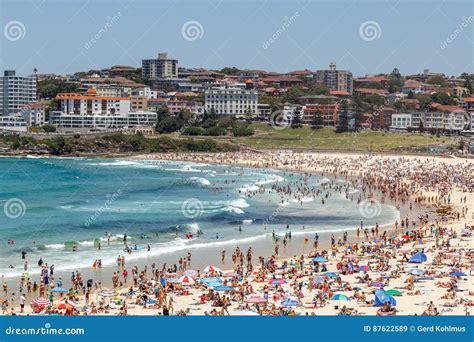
x=335, y=79
x=163, y=67
x=16, y=92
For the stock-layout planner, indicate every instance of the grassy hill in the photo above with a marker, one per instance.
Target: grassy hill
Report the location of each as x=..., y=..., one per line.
x=267, y=137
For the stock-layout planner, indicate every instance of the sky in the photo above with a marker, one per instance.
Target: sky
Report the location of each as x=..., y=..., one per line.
x=365, y=37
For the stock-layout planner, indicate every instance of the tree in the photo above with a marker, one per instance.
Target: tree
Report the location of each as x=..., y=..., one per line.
x=343, y=122
x=296, y=121
x=318, y=120
x=48, y=128
x=248, y=115
x=420, y=126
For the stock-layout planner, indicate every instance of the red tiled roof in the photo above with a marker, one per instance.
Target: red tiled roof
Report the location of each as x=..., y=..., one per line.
x=340, y=92
x=372, y=91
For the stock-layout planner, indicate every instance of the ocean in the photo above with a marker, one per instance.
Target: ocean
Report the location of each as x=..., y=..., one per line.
x=54, y=205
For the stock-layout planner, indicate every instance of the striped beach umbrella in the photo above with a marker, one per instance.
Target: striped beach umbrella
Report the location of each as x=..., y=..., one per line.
x=277, y=281
x=41, y=301
x=212, y=269
x=340, y=296
x=186, y=280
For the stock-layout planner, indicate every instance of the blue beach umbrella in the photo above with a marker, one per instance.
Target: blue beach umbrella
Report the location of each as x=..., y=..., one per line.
x=59, y=290
x=457, y=274
x=290, y=302
x=320, y=259
x=208, y=280
x=418, y=258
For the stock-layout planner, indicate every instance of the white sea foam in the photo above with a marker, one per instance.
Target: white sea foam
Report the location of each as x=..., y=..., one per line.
x=200, y=180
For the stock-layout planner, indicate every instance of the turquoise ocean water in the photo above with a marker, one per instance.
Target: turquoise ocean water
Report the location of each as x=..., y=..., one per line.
x=51, y=204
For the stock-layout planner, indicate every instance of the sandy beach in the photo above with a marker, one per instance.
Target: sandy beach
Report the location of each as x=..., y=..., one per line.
x=364, y=272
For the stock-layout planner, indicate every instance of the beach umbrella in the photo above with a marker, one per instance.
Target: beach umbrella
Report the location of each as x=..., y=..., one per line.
x=59, y=290
x=64, y=306
x=213, y=284
x=381, y=298
x=330, y=274
x=320, y=259
x=364, y=269
x=277, y=281
x=416, y=271
x=340, y=296
x=256, y=300
x=290, y=302
x=223, y=288
x=212, y=269
x=405, y=236
x=186, y=280
x=418, y=258
x=457, y=274
x=393, y=292
x=41, y=301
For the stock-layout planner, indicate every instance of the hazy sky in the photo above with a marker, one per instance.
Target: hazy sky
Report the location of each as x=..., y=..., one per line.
x=366, y=37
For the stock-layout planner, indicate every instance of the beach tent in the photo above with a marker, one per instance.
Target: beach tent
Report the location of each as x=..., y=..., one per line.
x=59, y=290
x=290, y=302
x=381, y=298
x=320, y=259
x=418, y=258
x=256, y=300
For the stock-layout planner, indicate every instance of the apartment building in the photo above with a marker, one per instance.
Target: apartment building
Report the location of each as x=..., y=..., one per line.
x=335, y=79
x=162, y=67
x=16, y=92
x=327, y=111
x=78, y=122
x=138, y=103
x=174, y=106
x=92, y=103
x=231, y=101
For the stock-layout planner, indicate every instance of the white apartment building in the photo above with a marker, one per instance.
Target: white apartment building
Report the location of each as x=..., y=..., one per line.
x=12, y=123
x=231, y=101
x=16, y=92
x=92, y=103
x=34, y=114
x=401, y=121
x=146, y=92
x=113, y=91
x=77, y=122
